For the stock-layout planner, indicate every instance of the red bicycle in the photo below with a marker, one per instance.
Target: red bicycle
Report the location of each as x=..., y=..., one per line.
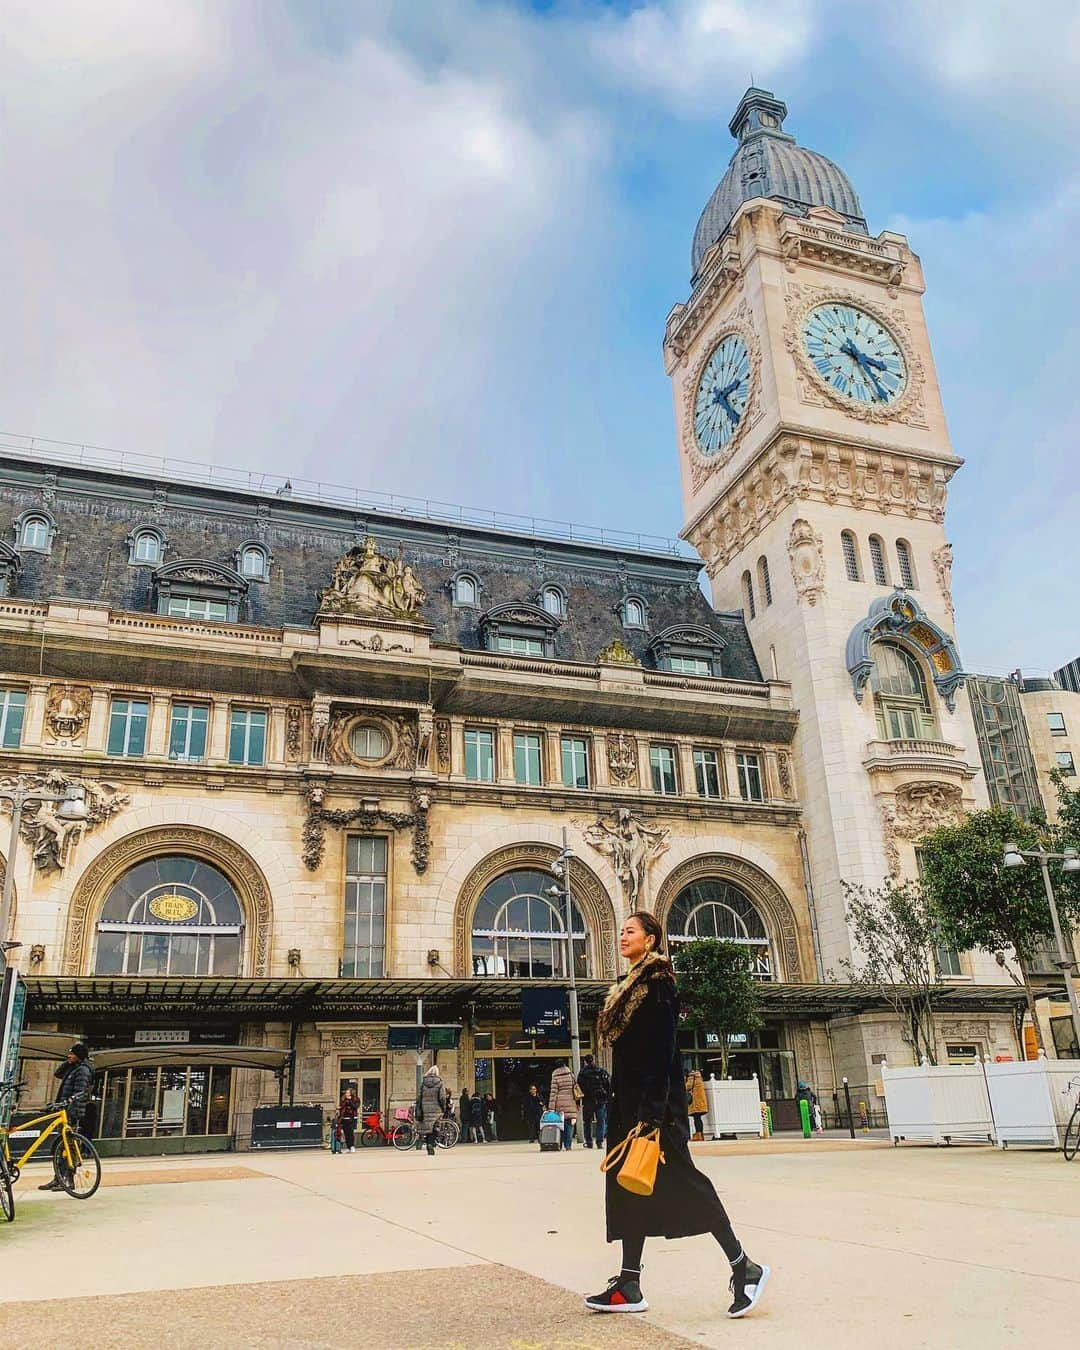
x=402, y=1133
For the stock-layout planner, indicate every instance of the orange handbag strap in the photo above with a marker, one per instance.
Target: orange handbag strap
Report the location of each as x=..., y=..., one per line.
x=618, y=1154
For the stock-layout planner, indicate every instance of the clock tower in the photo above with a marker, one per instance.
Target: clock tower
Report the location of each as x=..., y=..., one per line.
x=815, y=464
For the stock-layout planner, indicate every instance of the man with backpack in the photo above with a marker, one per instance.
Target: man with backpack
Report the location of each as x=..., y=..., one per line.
x=595, y=1085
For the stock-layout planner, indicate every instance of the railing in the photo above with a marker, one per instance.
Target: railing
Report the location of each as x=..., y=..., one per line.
x=915, y=747
x=316, y=491
x=668, y=680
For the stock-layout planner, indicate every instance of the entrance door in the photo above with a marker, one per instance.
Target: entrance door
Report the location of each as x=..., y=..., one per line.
x=512, y=1079
x=365, y=1077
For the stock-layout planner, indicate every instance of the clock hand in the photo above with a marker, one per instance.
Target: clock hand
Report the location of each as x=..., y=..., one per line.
x=864, y=363
x=720, y=397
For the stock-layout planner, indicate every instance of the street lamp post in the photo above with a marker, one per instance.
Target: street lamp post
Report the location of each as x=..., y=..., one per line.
x=561, y=869
x=1070, y=862
x=72, y=808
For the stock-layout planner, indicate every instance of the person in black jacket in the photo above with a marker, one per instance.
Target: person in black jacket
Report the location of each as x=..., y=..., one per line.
x=76, y=1077
x=532, y=1108
x=639, y=1021
x=595, y=1085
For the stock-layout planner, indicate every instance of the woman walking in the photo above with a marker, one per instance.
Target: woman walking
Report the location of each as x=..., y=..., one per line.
x=562, y=1097
x=696, y=1102
x=639, y=1021
x=348, y=1113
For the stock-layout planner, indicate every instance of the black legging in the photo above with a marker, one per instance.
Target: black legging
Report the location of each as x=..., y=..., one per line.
x=632, y=1248
x=699, y=1122
x=348, y=1129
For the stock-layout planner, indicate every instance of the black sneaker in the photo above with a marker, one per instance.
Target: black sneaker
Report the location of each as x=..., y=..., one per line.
x=51, y=1186
x=620, y=1296
x=748, y=1281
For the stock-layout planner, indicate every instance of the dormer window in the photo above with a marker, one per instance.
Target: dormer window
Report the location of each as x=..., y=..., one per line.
x=633, y=613
x=194, y=589
x=519, y=630
x=253, y=562
x=34, y=531
x=465, y=589
x=10, y=567
x=688, y=651
x=146, y=547
x=553, y=601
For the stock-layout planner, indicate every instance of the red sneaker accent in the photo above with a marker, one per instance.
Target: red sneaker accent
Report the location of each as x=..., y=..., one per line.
x=617, y=1296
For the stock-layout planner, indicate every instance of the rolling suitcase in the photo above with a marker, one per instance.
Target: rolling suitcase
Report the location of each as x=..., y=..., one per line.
x=551, y=1127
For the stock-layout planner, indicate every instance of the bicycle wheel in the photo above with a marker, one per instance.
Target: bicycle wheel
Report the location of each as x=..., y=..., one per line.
x=1071, y=1144
x=447, y=1133
x=83, y=1178
x=7, y=1198
x=370, y=1137
x=404, y=1135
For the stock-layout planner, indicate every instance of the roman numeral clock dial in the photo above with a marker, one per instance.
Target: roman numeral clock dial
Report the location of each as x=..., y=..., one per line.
x=722, y=394
x=854, y=354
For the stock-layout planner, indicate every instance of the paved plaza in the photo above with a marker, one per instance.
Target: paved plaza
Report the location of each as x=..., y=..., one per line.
x=492, y=1245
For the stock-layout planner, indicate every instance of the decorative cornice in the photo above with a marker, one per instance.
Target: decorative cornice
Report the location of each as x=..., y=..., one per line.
x=809, y=468
x=855, y=254
x=685, y=321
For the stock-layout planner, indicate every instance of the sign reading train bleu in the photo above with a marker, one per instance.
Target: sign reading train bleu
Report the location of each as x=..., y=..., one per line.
x=545, y=1015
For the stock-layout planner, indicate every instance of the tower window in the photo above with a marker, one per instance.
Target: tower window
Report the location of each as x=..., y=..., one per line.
x=553, y=601
x=254, y=562
x=900, y=695
x=903, y=561
x=146, y=546
x=851, y=556
x=877, y=561
x=633, y=612
x=465, y=591
x=748, y=595
x=764, y=583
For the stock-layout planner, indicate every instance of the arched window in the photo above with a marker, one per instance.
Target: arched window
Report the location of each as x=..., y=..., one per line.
x=253, y=562
x=851, y=556
x=553, y=601
x=764, y=583
x=172, y=915
x=716, y=909
x=633, y=612
x=748, y=595
x=146, y=546
x=519, y=930
x=466, y=590
x=877, y=560
x=903, y=562
x=901, y=700
x=34, y=531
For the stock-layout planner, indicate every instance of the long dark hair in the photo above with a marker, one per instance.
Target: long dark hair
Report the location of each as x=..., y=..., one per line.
x=651, y=927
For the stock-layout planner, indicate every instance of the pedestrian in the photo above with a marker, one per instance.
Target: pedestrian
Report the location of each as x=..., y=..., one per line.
x=489, y=1118
x=805, y=1093
x=696, y=1102
x=430, y=1106
x=464, y=1113
x=595, y=1084
x=336, y=1136
x=476, y=1119
x=76, y=1077
x=639, y=1020
x=532, y=1108
x=562, y=1098
x=348, y=1114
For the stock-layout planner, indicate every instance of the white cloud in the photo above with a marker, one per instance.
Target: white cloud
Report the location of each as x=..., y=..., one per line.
x=693, y=53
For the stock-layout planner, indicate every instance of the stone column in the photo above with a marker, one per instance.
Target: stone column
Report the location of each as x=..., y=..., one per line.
x=98, y=728
x=730, y=786
x=275, y=748
x=644, y=767
x=219, y=730
x=504, y=754
x=157, y=734
x=34, y=720
x=457, y=749
x=687, y=780
x=552, y=758
x=771, y=776
x=601, y=770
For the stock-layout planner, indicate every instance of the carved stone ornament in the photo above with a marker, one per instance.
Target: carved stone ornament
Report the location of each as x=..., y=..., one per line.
x=375, y=643
x=366, y=581
x=294, y=732
x=400, y=730
x=783, y=769
x=442, y=745
x=807, y=561
x=617, y=653
x=67, y=713
x=320, y=728
x=703, y=466
x=942, y=559
x=52, y=840
x=907, y=408
x=365, y=817
x=622, y=758
x=922, y=807
x=632, y=846
x=888, y=833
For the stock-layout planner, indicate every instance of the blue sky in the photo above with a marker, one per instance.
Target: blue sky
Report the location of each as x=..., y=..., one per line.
x=429, y=247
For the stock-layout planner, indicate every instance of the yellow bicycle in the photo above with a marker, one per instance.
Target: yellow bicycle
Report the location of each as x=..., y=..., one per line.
x=76, y=1164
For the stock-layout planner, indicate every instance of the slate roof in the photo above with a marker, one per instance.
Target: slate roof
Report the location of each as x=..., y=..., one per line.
x=768, y=163
x=95, y=512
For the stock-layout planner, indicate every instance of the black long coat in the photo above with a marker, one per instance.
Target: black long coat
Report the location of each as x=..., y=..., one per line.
x=647, y=1085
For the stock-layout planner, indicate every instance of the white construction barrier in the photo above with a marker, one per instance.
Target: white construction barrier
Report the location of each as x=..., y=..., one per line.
x=734, y=1106
x=938, y=1103
x=1030, y=1101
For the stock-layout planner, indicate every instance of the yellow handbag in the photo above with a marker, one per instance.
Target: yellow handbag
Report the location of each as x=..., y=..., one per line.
x=637, y=1157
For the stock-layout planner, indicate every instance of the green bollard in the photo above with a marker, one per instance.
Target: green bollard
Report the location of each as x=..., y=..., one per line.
x=804, y=1116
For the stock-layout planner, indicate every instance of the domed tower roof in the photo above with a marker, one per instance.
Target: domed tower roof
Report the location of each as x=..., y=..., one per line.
x=768, y=163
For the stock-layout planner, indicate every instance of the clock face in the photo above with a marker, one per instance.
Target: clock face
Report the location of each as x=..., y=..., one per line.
x=722, y=395
x=855, y=354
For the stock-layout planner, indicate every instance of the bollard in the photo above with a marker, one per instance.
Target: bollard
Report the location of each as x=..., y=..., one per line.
x=804, y=1116
x=850, y=1117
